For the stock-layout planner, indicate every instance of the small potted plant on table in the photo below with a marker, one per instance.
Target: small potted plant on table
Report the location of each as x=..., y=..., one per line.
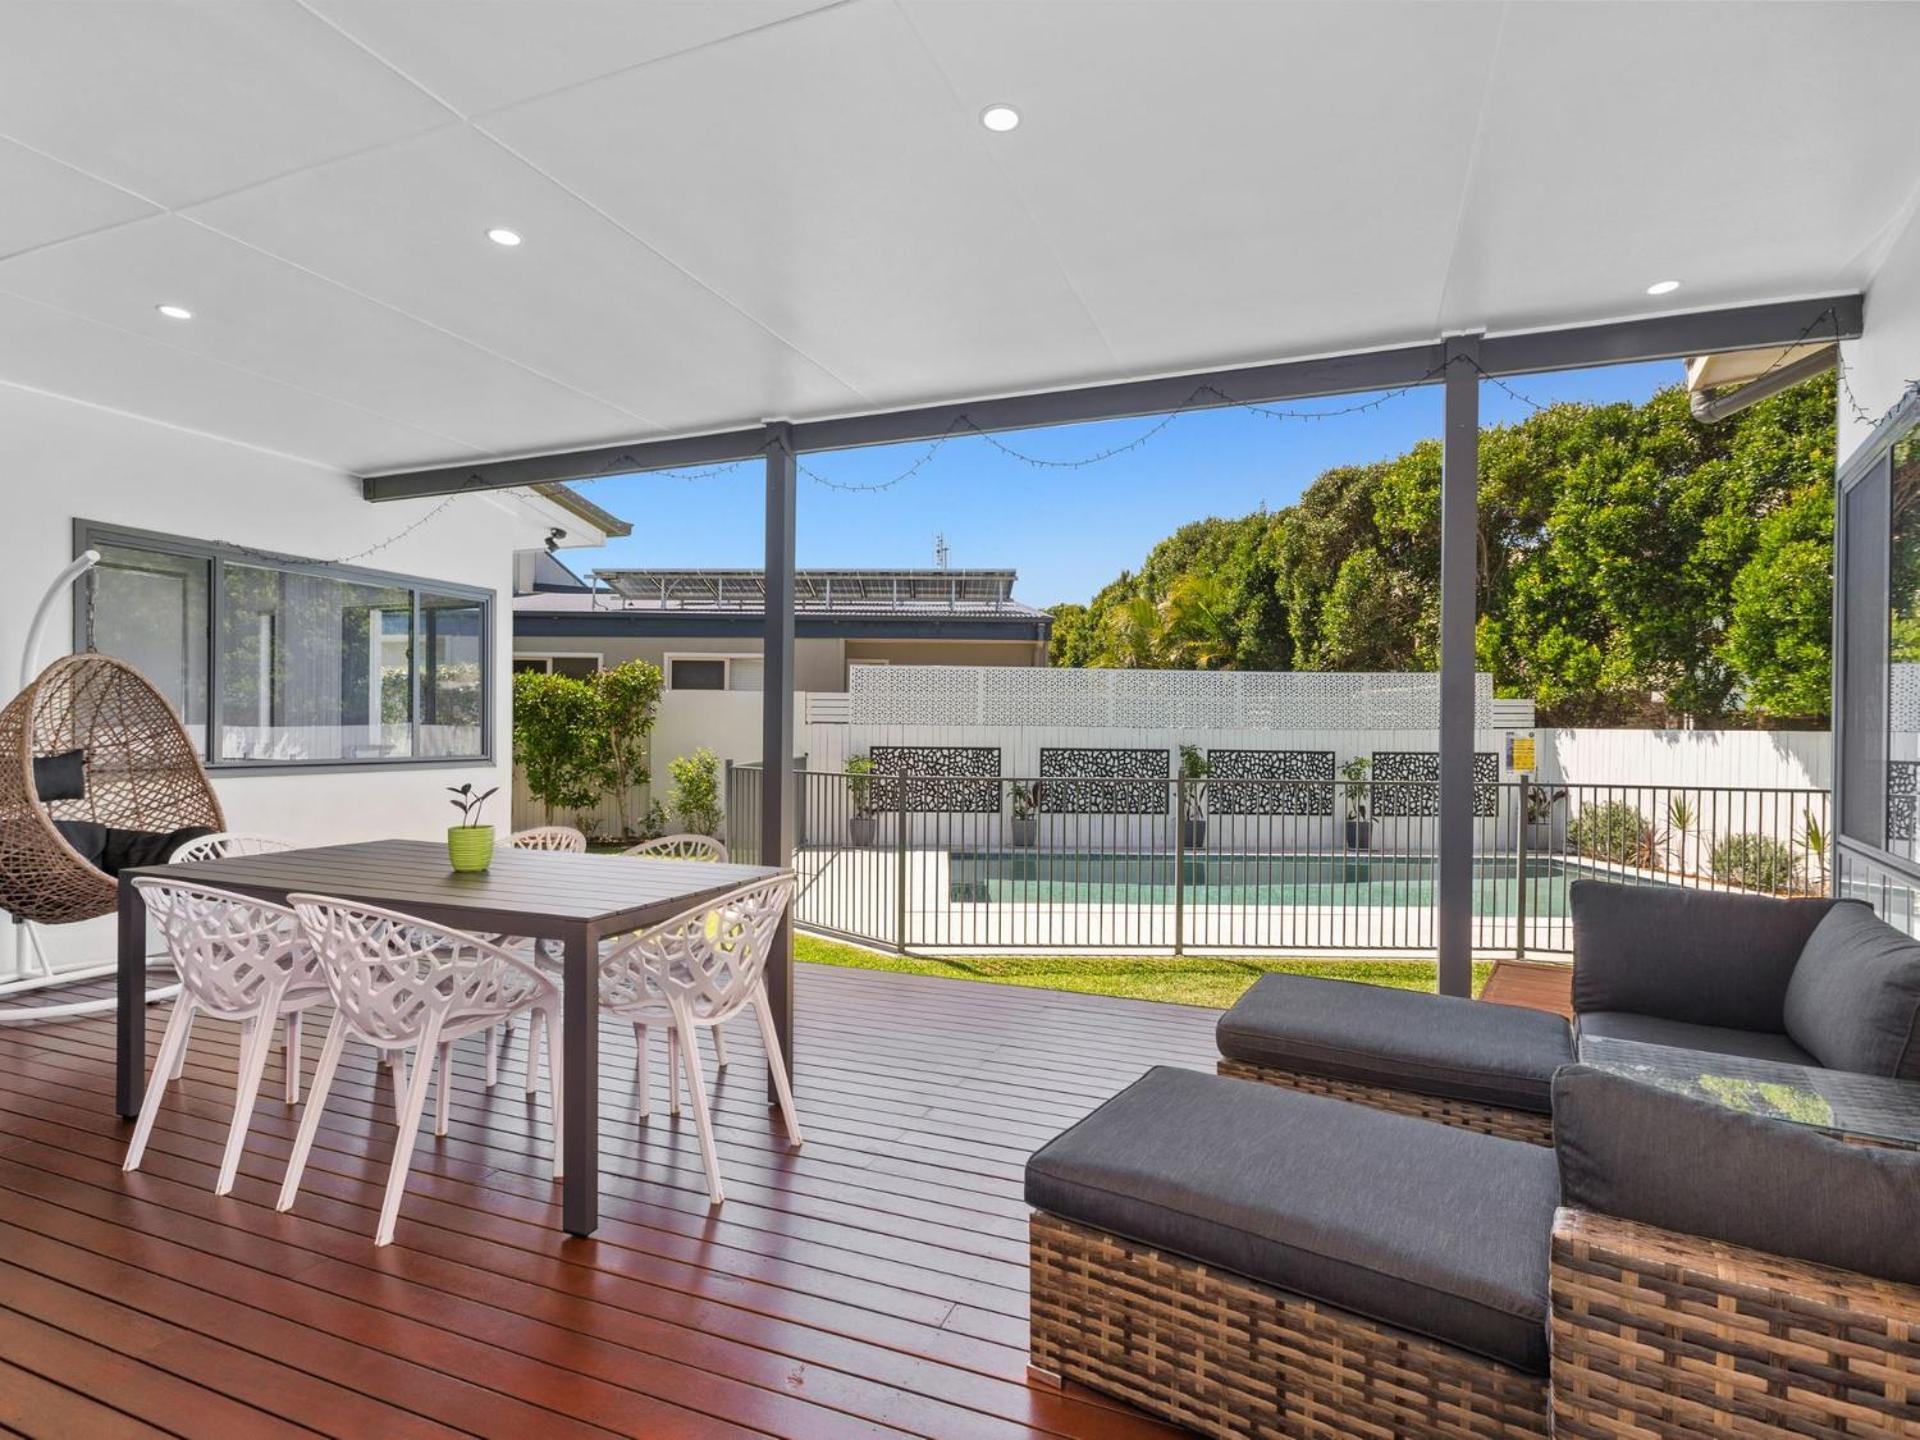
x=1026, y=805
x=1194, y=770
x=1354, y=791
x=470, y=844
x=860, y=796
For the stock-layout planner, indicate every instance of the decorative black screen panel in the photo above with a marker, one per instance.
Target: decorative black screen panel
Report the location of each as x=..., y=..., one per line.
x=1290, y=782
x=1903, y=799
x=1097, y=782
x=1413, y=783
x=948, y=779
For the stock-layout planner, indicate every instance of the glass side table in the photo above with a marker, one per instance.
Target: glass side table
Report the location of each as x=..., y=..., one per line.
x=1865, y=1109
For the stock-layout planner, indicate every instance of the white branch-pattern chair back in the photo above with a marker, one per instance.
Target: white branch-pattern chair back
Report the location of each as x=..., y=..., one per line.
x=563, y=838
x=390, y=973
x=234, y=953
x=709, y=959
x=226, y=845
x=681, y=847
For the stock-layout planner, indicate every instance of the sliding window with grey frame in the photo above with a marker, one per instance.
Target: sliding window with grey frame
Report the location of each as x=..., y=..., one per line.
x=275, y=662
x=1877, y=669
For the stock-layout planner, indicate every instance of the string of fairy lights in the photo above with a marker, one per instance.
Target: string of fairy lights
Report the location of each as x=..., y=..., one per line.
x=1205, y=395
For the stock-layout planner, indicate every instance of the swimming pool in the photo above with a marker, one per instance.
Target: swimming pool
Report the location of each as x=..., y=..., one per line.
x=1344, y=881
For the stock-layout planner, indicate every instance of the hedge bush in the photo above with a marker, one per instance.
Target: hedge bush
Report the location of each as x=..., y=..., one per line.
x=1614, y=831
x=1758, y=862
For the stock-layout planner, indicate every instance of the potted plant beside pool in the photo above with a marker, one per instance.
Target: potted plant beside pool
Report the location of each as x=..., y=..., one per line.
x=1026, y=819
x=1540, y=807
x=1194, y=770
x=470, y=844
x=1354, y=791
x=860, y=796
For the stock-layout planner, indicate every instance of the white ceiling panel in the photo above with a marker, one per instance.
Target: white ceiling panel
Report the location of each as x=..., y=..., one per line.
x=1229, y=182
x=822, y=177
x=261, y=315
x=764, y=208
x=51, y=350
x=580, y=299
x=189, y=98
x=1748, y=151
x=48, y=201
x=478, y=55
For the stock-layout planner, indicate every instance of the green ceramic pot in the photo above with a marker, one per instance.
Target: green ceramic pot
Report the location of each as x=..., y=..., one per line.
x=470, y=847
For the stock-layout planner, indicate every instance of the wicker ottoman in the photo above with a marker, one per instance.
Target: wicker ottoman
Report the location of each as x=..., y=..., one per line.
x=1250, y=1261
x=1460, y=1062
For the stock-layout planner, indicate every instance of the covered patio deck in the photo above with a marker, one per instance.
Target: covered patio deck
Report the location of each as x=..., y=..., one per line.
x=872, y=1283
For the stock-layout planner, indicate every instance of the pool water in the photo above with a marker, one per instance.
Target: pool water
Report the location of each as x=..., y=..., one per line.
x=1346, y=881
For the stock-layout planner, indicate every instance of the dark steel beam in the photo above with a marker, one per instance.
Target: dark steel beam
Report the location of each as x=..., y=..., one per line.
x=1212, y=390
x=1660, y=337
x=776, y=729
x=638, y=456
x=1459, y=596
x=1670, y=337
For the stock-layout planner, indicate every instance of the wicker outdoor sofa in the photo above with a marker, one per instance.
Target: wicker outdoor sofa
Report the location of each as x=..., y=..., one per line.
x=1811, y=982
x=1253, y=1262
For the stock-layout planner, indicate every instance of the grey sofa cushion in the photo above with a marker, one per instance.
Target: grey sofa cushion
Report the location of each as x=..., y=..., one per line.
x=1690, y=1165
x=1855, y=997
x=1421, y=1226
x=1429, y=1044
x=1690, y=955
x=1652, y=1030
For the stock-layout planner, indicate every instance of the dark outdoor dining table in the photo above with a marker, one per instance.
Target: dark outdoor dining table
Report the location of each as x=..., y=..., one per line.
x=572, y=900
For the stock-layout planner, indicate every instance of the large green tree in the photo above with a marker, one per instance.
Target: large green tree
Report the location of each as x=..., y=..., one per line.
x=1633, y=565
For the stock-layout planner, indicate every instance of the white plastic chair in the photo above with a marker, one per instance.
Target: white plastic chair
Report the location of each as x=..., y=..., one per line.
x=226, y=845
x=680, y=847
x=401, y=984
x=687, y=846
x=563, y=838
x=693, y=972
x=239, y=959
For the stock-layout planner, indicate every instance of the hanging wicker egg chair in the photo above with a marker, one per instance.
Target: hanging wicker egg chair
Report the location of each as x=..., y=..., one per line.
x=141, y=773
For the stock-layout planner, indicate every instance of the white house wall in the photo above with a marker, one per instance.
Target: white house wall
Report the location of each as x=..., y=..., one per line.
x=61, y=461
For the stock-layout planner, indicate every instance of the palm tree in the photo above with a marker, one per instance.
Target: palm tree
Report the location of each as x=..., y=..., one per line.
x=1197, y=623
x=1132, y=638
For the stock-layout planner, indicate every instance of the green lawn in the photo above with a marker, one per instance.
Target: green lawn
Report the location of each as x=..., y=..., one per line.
x=1186, y=980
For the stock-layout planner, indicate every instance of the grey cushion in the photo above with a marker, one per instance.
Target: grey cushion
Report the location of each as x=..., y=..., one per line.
x=60, y=777
x=1692, y=955
x=1429, y=1044
x=1652, y=1030
x=1690, y=1165
x=1421, y=1226
x=1855, y=997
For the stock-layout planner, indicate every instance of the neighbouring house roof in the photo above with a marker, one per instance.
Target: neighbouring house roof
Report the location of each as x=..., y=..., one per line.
x=887, y=592
x=848, y=604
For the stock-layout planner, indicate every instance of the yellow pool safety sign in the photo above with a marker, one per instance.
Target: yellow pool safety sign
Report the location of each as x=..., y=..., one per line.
x=1520, y=754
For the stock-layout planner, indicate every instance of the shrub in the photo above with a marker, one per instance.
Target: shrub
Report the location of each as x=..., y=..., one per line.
x=1758, y=862
x=628, y=696
x=1614, y=831
x=559, y=740
x=695, y=801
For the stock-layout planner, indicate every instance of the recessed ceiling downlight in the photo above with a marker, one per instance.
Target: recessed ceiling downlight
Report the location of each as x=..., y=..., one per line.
x=1000, y=118
x=1663, y=287
x=500, y=235
x=175, y=312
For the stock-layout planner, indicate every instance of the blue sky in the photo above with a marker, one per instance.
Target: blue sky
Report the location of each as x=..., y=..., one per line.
x=1067, y=532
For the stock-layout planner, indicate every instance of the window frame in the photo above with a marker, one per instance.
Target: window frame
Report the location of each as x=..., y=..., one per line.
x=549, y=656
x=1870, y=459
x=93, y=534
x=726, y=656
